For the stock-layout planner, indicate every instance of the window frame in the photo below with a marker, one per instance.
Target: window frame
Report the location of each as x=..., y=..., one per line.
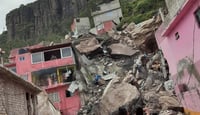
x=42, y=57
x=50, y=51
x=21, y=58
x=51, y=97
x=62, y=52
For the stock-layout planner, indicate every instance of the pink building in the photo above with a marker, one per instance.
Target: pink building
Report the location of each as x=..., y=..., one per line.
x=178, y=37
x=105, y=27
x=53, y=69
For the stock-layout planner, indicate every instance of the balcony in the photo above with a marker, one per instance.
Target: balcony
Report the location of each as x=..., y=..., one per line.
x=53, y=76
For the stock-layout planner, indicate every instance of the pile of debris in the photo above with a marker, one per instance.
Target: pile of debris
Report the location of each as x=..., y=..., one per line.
x=126, y=70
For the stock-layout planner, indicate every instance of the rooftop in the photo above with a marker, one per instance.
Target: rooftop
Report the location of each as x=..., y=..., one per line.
x=7, y=74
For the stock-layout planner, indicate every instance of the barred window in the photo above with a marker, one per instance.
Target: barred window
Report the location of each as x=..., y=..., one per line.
x=54, y=97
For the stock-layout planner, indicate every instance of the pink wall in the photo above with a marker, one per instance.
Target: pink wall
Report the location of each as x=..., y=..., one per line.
x=68, y=105
x=176, y=50
x=179, y=49
x=53, y=63
x=25, y=67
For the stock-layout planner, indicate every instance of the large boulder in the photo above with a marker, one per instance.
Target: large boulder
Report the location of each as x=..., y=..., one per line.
x=88, y=45
x=117, y=95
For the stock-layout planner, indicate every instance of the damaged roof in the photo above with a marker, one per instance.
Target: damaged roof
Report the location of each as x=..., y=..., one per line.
x=5, y=73
x=60, y=45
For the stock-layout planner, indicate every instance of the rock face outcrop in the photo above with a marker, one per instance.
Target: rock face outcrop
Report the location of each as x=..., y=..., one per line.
x=42, y=17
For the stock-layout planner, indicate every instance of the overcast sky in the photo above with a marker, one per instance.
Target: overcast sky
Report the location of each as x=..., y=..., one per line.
x=6, y=6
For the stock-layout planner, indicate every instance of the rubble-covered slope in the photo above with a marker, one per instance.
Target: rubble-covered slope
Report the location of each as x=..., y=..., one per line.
x=132, y=81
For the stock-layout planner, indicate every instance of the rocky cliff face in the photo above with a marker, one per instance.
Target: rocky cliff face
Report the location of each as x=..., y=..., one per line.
x=42, y=17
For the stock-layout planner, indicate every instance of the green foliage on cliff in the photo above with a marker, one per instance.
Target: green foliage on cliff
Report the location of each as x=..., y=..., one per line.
x=140, y=10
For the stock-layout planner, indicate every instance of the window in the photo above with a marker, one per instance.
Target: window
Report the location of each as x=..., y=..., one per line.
x=77, y=20
x=45, y=77
x=197, y=15
x=177, y=35
x=52, y=55
x=54, y=97
x=66, y=52
x=37, y=57
x=21, y=58
x=67, y=75
x=22, y=51
x=68, y=93
x=40, y=79
x=25, y=77
x=54, y=78
x=13, y=69
x=98, y=8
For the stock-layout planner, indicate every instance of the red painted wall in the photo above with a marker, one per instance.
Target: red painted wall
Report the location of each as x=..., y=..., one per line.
x=67, y=105
x=108, y=25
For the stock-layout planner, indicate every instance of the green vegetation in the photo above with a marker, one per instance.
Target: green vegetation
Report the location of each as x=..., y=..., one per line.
x=139, y=10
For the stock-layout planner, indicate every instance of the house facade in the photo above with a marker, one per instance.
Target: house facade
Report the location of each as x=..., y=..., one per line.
x=178, y=37
x=105, y=27
x=17, y=96
x=106, y=12
x=80, y=26
x=51, y=68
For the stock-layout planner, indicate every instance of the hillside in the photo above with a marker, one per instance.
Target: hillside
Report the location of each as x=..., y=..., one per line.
x=50, y=20
x=42, y=17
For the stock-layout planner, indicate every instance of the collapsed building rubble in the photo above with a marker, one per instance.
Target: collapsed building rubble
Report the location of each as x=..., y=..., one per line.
x=133, y=72
x=45, y=106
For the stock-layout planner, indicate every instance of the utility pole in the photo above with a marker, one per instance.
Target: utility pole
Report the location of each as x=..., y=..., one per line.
x=1, y=56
